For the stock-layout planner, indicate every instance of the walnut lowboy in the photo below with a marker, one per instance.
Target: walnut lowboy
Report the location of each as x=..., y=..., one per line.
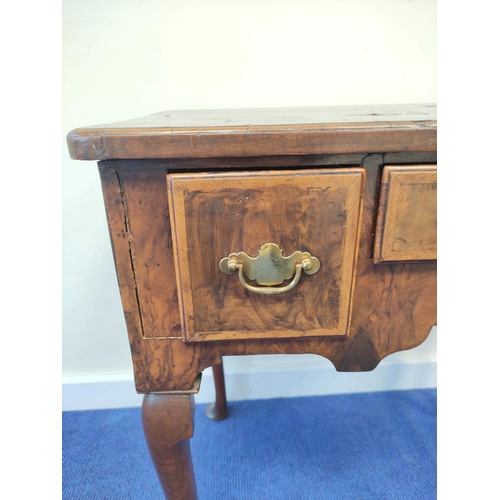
x=194, y=196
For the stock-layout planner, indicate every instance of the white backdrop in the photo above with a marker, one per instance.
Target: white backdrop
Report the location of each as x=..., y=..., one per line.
x=128, y=58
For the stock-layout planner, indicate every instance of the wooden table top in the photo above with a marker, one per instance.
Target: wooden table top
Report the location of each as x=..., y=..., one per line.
x=261, y=132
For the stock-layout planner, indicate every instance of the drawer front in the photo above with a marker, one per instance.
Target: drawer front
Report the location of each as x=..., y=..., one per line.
x=307, y=213
x=407, y=216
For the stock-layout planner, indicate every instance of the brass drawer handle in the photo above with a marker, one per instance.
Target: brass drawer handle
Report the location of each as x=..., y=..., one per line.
x=270, y=268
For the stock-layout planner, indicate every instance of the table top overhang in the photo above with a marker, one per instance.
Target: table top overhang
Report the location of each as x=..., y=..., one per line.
x=261, y=132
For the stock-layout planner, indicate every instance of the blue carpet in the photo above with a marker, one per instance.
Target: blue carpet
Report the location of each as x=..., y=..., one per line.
x=356, y=446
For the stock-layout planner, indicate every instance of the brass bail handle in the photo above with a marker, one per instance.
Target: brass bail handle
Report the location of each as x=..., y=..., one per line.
x=270, y=268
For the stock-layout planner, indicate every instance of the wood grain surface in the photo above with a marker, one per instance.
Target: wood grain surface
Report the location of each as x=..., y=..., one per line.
x=394, y=305
x=213, y=215
x=407, y=215
x=260, y=132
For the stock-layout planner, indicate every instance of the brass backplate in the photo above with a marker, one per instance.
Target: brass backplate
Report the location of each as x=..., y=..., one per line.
x=270, y=268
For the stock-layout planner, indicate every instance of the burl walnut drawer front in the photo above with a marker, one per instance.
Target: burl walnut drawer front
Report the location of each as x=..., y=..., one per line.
x=265, y=254
x=407, y=216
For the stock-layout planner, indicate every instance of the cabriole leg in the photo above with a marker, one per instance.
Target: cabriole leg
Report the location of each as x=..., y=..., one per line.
x=168, y=425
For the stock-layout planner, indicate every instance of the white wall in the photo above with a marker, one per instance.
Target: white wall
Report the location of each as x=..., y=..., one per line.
x=128, y=58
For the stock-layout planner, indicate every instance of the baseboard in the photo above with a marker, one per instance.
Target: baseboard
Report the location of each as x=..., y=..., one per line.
x=260, y=379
